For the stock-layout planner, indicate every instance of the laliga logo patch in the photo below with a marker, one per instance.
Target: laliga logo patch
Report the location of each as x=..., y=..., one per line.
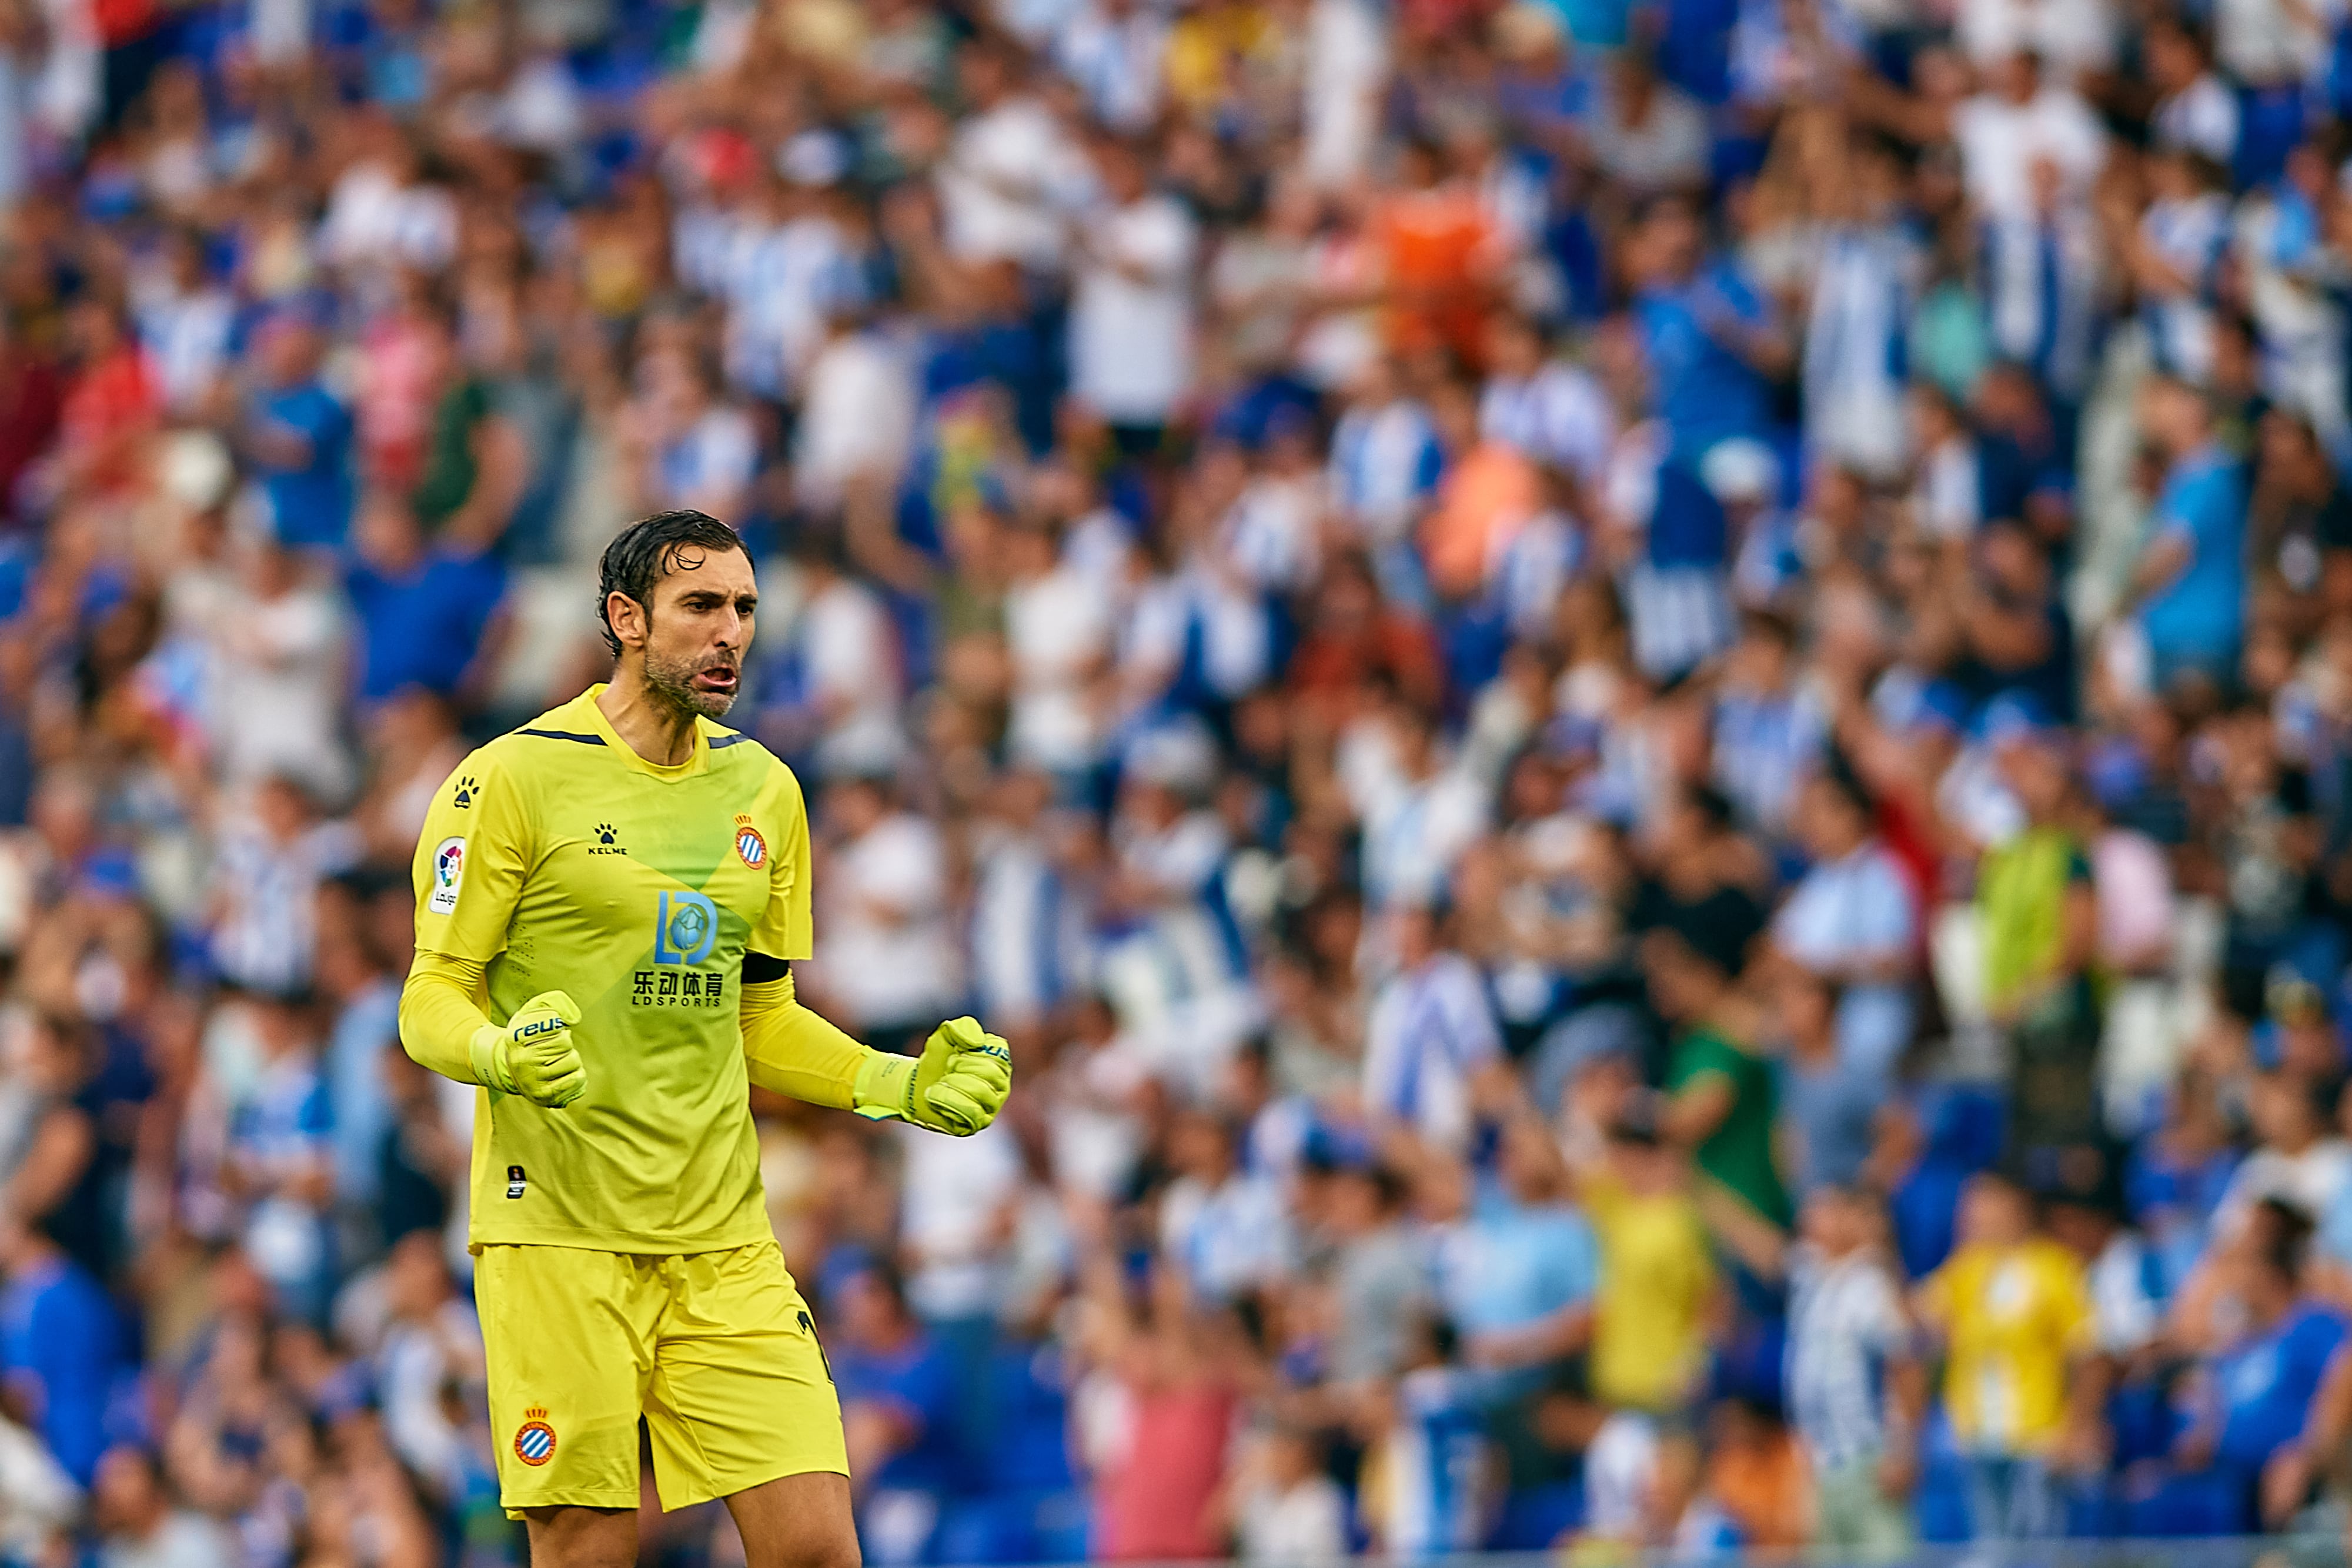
x=448, y=870
x=534, y=1442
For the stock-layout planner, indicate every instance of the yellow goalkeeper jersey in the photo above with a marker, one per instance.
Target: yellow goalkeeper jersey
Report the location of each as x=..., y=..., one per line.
x=564, y=861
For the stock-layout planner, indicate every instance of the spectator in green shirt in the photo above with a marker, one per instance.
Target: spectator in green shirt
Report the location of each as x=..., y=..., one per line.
x=1722, y=1097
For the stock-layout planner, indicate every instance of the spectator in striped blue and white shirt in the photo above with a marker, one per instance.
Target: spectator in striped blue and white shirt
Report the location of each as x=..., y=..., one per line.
x=1431, y=1044
x=1385, y=464
x=1856, y=1389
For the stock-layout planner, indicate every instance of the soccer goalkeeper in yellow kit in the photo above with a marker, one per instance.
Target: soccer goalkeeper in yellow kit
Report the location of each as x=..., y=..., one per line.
x=608, y=901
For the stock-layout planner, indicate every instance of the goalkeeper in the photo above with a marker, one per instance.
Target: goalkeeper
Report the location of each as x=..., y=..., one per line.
x=608, y=903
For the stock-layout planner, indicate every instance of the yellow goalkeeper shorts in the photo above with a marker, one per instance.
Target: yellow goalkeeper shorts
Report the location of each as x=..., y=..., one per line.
x=716, y=1349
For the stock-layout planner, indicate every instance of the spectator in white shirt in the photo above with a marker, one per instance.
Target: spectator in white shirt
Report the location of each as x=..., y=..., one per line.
x=1115, y=51
x=885, y=953
x=1850, y=921
x=1420, y=812
x=1058, y=627
x=1003, y=182
x=1132, y=308
x=1290, y=1511
x=2021, y=121
x=2198, y=112
x=835, y=691
x=857, y=412
x=2070, y=36
x=1224, y=1227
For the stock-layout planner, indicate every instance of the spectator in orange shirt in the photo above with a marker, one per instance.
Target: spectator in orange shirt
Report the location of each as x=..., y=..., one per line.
x=1487, y=495
x=1441, y=253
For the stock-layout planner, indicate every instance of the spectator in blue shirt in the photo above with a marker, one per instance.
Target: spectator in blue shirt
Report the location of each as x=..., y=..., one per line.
x=2256, y=1397
x=1516, y=1277
x=62, y=1347
x=898, y=1414
x=428, y=614
x=2191, y=581
x=297, y=437
x=1714, y=346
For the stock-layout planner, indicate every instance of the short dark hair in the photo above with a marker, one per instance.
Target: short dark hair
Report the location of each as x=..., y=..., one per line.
x=646, y=551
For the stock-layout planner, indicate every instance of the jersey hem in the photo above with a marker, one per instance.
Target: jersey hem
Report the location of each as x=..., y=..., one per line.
x=581, y=1239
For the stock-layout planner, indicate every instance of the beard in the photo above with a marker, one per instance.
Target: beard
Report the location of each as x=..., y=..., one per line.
x=672, y=683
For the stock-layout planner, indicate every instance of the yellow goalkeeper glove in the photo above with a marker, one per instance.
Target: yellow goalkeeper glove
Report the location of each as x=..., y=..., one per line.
x=531, y=1054
x=957, y=1086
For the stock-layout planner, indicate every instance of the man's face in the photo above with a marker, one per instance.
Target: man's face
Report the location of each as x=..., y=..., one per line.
x=693, y=634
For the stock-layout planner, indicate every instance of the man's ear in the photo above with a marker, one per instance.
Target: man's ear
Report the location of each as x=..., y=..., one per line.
x=626, y=617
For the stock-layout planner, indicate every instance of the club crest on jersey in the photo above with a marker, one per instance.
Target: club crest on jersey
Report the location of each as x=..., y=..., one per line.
x=448, y=870
x=751, y=848
x=534, y=1442
x=685, y=926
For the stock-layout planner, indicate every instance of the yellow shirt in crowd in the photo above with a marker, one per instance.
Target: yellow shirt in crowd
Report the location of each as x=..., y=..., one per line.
x=2014, y=1318
x=1649, y=1331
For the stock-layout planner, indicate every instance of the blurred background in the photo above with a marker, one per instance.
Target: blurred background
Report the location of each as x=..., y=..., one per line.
x=1642, y=713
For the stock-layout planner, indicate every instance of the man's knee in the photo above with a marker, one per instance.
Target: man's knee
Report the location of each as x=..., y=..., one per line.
x=583, y=1537
x=798, y=1521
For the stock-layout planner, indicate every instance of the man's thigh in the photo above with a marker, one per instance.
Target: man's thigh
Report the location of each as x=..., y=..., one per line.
x=741, y=1395
x=568, y=1334
x=797, y=1521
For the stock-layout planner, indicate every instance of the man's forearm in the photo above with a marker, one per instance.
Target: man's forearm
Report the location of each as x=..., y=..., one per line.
x=796, y=1052
x=439, y=1015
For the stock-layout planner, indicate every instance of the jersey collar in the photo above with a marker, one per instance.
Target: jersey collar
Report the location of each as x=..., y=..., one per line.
x=596, y=719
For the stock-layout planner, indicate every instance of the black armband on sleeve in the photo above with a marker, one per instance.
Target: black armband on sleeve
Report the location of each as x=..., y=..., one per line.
x=759, y=968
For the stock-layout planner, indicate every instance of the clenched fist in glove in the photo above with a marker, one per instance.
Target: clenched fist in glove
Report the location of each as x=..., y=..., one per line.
x=531, y=1054
x=957, y=1086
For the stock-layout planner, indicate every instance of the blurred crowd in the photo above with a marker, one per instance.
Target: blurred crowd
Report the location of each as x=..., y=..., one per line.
x=1642, y=714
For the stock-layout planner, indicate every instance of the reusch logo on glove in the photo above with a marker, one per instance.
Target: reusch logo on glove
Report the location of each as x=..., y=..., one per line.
x=539, y=1027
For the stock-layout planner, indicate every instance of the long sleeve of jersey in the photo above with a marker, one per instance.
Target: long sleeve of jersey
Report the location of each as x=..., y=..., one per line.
x=796, y=1052
x=439, y=1013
